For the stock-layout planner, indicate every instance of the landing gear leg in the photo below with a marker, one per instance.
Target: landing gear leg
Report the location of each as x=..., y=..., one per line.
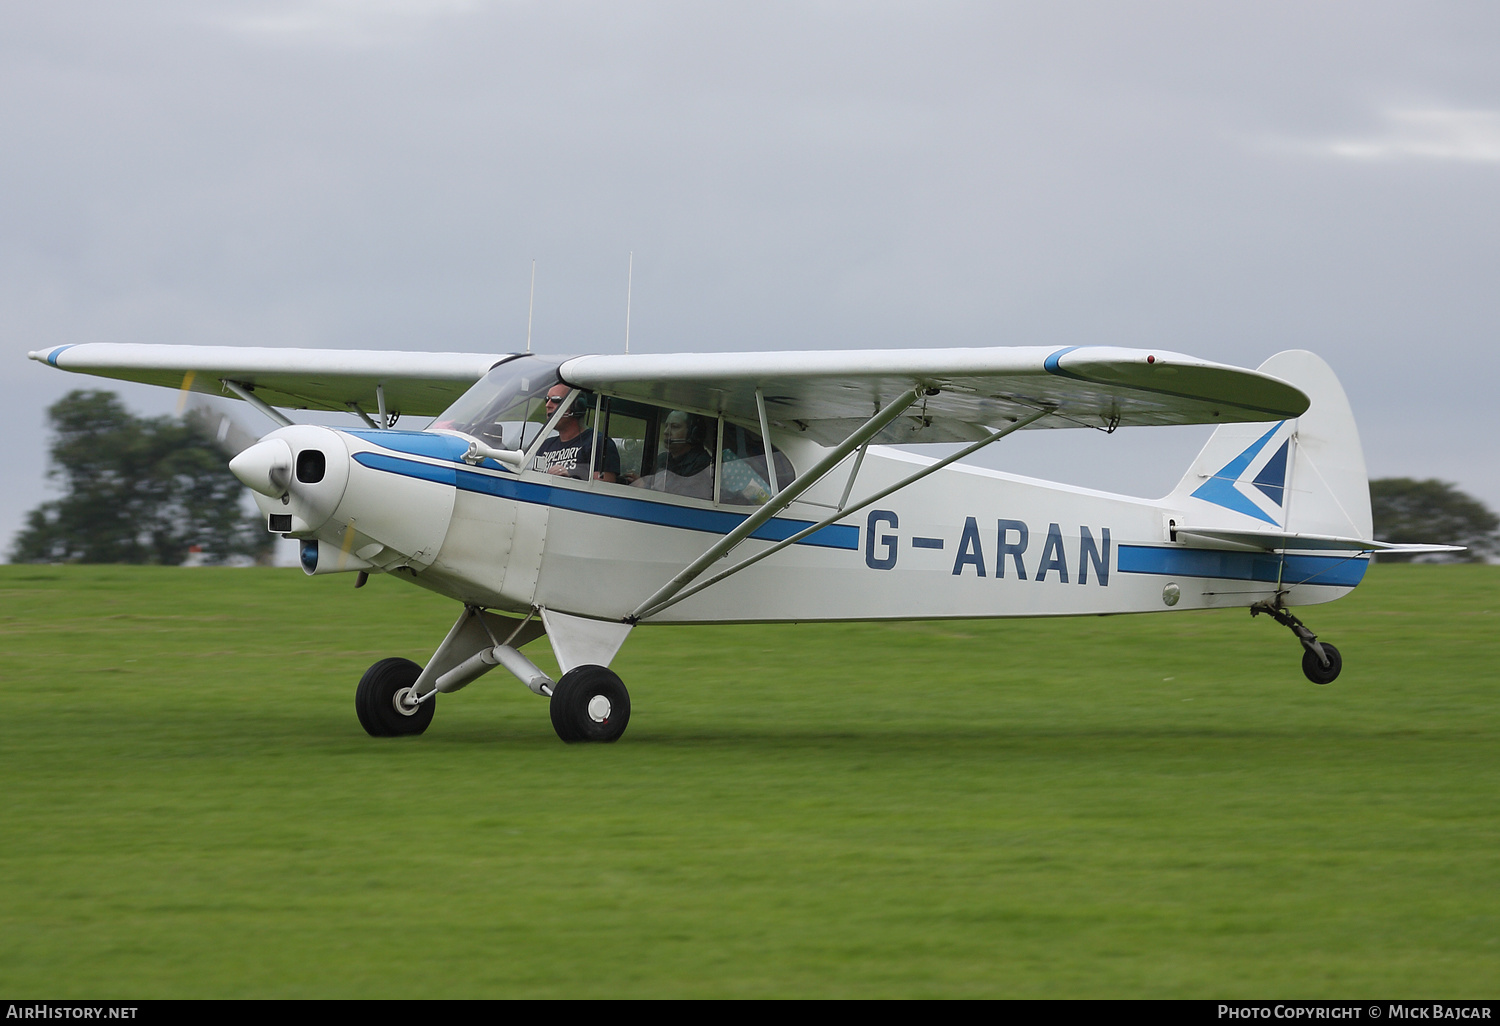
x=1320, y=661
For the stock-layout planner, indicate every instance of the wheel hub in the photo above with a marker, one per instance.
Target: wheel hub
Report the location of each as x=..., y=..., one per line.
x=405, y=702
x=599, y=709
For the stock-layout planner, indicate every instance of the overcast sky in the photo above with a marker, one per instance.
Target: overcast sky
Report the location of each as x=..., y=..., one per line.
x=1221, y=179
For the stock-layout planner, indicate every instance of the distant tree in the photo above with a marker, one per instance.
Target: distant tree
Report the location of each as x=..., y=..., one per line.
x=136, y=491
x=1413, y=512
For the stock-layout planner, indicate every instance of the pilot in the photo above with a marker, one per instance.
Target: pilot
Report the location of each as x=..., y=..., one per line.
x=685, y=467
x=570, y=452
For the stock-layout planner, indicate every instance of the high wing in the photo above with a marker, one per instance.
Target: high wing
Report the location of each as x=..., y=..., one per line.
x=970, y=392
x=419, y=384
x=826, y=396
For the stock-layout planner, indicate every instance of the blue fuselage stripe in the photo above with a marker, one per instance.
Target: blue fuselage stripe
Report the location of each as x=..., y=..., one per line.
x=619, y=507
x=417, y=443
x=1334, y=571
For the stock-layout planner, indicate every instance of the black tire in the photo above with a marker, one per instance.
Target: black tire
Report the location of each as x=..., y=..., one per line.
x=375, y=700
x=1316, y=671
x=577, y=713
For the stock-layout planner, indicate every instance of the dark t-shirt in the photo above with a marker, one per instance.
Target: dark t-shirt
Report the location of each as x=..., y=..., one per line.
x=691, y=474
x=574, y=456
x=694, y=461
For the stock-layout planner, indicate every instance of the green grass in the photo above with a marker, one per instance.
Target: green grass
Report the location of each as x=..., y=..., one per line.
x=1108, y=807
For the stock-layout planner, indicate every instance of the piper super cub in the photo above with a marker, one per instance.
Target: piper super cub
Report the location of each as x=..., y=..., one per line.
x=579, y=497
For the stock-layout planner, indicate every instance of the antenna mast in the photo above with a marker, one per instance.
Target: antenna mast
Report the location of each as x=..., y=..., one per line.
x=531, y=307
x=629, y=281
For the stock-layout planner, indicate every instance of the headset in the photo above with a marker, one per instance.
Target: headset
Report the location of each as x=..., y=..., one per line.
x=696, y=428
x=579, y=407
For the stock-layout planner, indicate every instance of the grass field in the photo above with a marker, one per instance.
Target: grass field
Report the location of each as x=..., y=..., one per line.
x=1109, y=807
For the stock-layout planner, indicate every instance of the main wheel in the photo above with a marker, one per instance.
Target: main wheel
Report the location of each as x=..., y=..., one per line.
x=383, y=700
x=590, y=703
x=1316, y=671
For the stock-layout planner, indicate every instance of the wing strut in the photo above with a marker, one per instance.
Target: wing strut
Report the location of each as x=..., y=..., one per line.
x=765, y=434
x=994, y=436
x=257, y=402
x=354, y=407
x=853, y=473
x=780, y=501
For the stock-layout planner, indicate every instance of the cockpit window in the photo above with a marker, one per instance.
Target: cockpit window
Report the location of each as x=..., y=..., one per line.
x=506, y=408
x=678, y=452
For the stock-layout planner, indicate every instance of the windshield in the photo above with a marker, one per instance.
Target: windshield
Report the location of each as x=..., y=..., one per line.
x=506, y=408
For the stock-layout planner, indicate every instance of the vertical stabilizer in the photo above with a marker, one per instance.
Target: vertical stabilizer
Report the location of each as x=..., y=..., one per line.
x=1301, y=476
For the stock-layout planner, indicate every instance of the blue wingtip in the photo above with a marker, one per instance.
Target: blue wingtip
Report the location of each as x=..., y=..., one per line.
x=1050, y=363
x=52, y=354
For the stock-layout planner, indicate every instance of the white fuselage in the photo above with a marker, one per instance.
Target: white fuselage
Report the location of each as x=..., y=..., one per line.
x=963, y=542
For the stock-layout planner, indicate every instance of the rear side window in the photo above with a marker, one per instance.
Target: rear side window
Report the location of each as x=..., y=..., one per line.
x=745, y=478
x=679, y=452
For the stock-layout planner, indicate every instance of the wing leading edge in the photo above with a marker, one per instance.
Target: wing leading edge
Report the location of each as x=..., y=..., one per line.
x=827, y=395
x=419, y=384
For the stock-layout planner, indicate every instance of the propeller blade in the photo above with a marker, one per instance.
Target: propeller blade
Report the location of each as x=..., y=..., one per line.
x=213, y=419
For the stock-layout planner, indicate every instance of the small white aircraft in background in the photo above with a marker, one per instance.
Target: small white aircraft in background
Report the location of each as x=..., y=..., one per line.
x=579, y=497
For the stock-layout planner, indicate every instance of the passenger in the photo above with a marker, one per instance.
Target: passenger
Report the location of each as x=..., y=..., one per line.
x=685, y=467
x=570, y=452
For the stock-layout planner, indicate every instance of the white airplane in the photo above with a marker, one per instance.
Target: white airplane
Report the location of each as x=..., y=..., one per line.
x=579, y=497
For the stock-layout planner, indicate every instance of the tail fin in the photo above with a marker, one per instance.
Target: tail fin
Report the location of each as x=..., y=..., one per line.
x=1304, y=476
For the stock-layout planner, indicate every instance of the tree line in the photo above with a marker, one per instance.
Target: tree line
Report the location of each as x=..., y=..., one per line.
x=136, y=490
x=148, y=490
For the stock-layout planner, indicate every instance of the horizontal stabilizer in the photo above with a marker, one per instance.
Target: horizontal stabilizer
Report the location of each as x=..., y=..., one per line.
x=1278, y=541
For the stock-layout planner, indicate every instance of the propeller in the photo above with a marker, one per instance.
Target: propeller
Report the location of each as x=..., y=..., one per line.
x=213, y=419
x=264, y=464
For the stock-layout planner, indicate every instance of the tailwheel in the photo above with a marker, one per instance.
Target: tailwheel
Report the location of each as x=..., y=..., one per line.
x=1313, y=667
x=1320, y=669
x=590, y=703
x=385, y=702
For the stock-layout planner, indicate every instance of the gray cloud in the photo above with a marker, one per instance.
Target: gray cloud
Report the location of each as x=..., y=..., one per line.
x=1225, y=180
